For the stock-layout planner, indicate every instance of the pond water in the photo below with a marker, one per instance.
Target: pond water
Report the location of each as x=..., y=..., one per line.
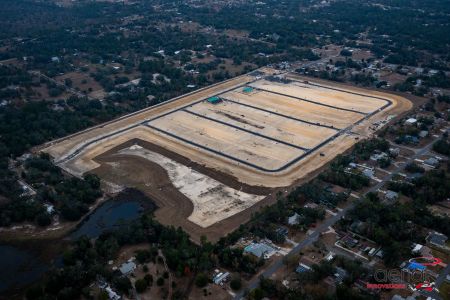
x=21, y=267
x=108, y=216
x=18, y=267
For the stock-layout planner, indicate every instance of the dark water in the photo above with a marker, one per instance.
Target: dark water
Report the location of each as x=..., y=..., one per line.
x=109, y=216
x=126, y=207
x=18, y=267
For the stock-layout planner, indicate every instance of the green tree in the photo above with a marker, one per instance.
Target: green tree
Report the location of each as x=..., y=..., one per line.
x=236, y=283
x=201, y=280
x=43, y=219
x=141, y=285
x=160, y=281
x=103, y=295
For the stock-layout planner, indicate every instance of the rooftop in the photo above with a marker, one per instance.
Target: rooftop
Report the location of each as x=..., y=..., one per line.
x=411, y=121
x=302, y=268
x=219, y=278
x=259, y=250
x=340, y=275
x=294, y=219
x=214, y=99
x=127, y=268
x=391, y=195
x=432, y=162
x=437, y=239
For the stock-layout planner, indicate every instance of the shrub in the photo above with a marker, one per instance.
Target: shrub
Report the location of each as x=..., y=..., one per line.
x=160, y=281
x=140, y=285
x=201, y=280
x=236, y=283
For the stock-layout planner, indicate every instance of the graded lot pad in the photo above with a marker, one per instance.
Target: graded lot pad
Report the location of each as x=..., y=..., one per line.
x=295, y=108
x=324, y=94
x=265, y=123
x=274, y=135
x=239, y=144
x=212, y=201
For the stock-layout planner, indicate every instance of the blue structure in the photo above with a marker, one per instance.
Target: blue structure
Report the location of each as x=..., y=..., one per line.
x=413, y=266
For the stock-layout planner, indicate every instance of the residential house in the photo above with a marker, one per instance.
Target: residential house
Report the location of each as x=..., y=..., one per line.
x=432, y=162
x=340, y=275
x=411, y=121
x=302, y=268
x=260, y=250
x=127, y=268
x=437, y=239
x=391, y=196
x=294, y=219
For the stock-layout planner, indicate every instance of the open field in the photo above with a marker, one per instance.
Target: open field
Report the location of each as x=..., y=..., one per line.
x=213, y=201
x=270, y=135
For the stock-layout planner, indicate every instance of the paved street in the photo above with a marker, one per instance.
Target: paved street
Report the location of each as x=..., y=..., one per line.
x=439, y=281
x=273, y=268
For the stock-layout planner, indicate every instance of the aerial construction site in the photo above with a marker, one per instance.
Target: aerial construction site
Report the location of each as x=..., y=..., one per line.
x=208, y=157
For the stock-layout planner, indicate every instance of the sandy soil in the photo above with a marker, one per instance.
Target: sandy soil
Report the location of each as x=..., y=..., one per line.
x=169, y=179
x=239, y=144
x=174, y=207
x=295, y=108
x=77, y=81
x=284, y=129
x=212, y=200
x=61, y=148
x=323, y=95
x=242, y=145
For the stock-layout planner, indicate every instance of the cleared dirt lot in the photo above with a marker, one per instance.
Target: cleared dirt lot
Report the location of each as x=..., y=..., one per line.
x=323, y=95
x=290, y=107
x=62, y=148
x=286, y=130
x=241, y=145
x=174, y=207
x=218, y=160
x=212, y=200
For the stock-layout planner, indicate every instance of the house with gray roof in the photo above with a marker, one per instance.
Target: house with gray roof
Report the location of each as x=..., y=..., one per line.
x=437, y=239
x=260, y=250
x=127, y=268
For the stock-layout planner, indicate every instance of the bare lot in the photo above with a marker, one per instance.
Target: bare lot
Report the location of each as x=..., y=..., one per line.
x=241, y=145
x=269, y=136
x=212, y=201
x=80, y=81
x=323, y=94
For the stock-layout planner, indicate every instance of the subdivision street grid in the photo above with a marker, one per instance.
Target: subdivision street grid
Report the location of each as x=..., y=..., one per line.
x=263, y=130
x=177, y=130
x=275, y=266
x=247, y=128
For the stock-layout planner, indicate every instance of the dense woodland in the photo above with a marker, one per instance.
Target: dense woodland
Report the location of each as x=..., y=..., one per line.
x=88, y=37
